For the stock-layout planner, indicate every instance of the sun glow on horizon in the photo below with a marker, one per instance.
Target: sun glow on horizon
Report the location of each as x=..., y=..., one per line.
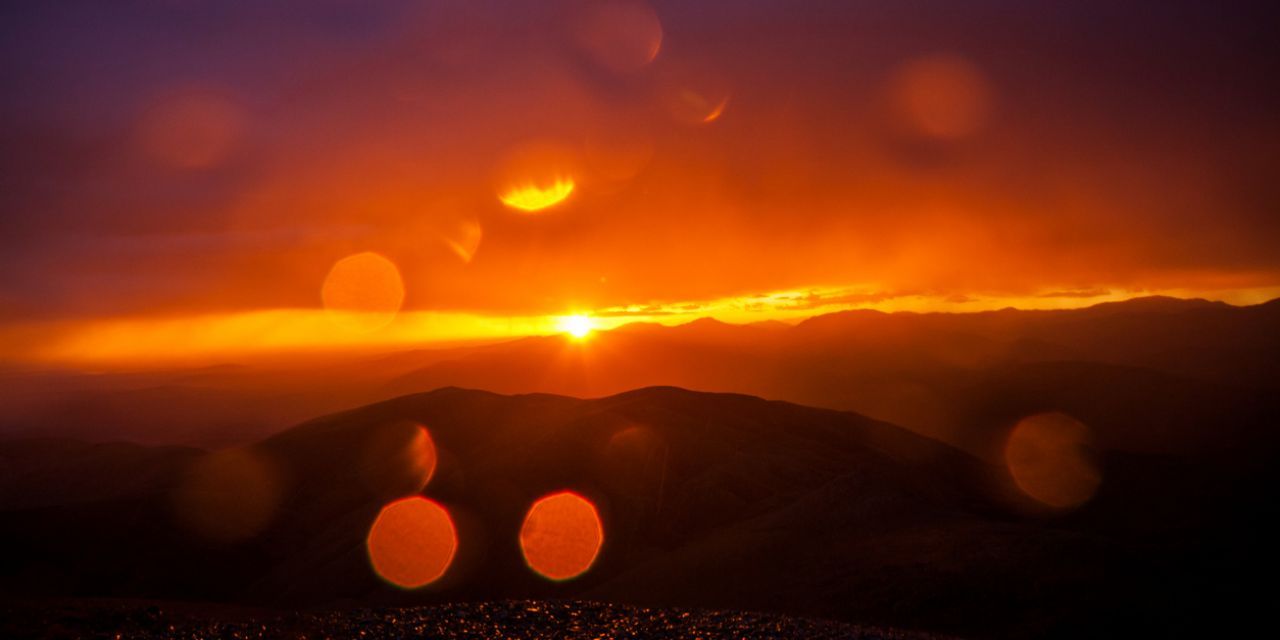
x=197, y=338
x=578, y=326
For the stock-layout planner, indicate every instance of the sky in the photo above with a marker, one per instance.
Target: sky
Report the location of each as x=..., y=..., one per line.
x=189, y=174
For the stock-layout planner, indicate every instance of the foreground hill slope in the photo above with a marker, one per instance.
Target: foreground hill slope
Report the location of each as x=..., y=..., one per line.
x=707, y=500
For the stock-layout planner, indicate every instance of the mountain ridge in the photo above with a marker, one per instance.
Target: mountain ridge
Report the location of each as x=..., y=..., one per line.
x=707, y=499
x=900, y=368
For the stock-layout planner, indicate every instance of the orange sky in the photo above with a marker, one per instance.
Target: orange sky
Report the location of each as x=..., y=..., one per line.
x=182, y=179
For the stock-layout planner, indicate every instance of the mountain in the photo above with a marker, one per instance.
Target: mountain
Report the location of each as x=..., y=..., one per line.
x=706, y=500
x=958, y=377
x=941, y=375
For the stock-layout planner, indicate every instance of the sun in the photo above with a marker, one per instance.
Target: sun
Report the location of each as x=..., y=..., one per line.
x=577, y=326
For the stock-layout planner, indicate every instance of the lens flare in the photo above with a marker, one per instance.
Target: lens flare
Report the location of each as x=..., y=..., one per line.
x=634, y=442
x=694, y=92
x=561, y=536
x=191, y=129
x=398, y=460
x=463, y=238
x=412, y=542
x=693, y=107
x=535, y=197
x=1048, y=456
x=227, y=496
x=536, y=174
x=714, y=113
x=363, y=292
x=941, y=96
x=622, y=36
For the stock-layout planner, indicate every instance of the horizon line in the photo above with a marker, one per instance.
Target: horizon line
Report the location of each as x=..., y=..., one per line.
x=308, y=332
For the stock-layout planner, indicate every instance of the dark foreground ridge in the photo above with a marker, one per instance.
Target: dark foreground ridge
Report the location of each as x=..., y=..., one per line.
x=706, y=501
x=513, y=619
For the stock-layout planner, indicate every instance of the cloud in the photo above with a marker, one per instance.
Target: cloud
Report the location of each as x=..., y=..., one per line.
x=1100, y=163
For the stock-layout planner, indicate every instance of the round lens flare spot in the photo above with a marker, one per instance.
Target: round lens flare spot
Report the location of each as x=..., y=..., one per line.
x=535, y=197
x=228, y=496
x=561, y=536
x=942, y=96
x=577, y=326
x=363, y=292
x=620, y=35
x=1048, y=455
x=192, y=129
x=412, y=542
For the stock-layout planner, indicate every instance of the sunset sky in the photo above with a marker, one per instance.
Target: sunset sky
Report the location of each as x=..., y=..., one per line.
x=183, y=174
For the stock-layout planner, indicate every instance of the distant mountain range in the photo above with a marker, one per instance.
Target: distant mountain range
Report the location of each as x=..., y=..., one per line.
x=1148, y=375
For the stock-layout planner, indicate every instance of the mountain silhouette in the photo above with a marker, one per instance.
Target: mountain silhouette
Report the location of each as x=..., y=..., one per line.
x=1149, y=375
x=710, y=500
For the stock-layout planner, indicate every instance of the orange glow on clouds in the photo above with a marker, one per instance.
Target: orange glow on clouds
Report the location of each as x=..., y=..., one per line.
x=412, y=542
x=203, y=209
x=561, y=536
